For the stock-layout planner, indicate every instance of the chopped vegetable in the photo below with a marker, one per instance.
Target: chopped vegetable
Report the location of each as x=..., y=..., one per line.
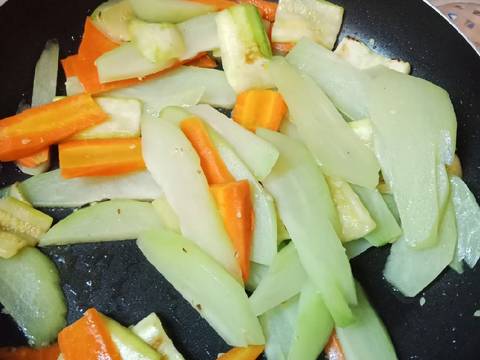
x=359, y=55
x=300, y=192
x=244, y=47
x=344, y=84
x=354, y=217
x=20, y=218
x=112, y=18
x=159, y=43
x=283, y=280
x=314, y=19
x=88, y=339
x=45, y=79
x=73, y=86
x=467, y=214
x=184, y=86
x=363, y=129
x=31, y=276
x=322, y=128
x=267, y=9
x=105, y=221
x=11, y=244
x=387, y=229
x=15, y=192
x=264, y=240
x=282, y=48
x=209, y=287
x=167, y=214
x=129, y=344
x=100, y=157
x=367, y=337
x=199, y=35
x=172, y=11
x=36, y=163
x=175, y=166
x=52, y=190
x=243, y=353
x=123, y=120
x=212, y=164
x=217, y=4
x=26, y=353
x=259, y=109
x=26, y=133
x=256, y=153
x=413, y=119
x=410, y=270
x=151, y=331
x=234, y=203
x=257, y=273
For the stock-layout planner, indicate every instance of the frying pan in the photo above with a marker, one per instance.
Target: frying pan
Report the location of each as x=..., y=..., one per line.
x=117, y=280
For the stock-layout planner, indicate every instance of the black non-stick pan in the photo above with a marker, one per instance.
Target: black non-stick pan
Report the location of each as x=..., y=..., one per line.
x=115, y=277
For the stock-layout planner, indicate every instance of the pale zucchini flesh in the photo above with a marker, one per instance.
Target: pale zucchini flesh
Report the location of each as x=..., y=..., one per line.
x=167, y=214
x=199, y=35
x=171, y=11
x=11, y=244
x=209, y=287
x=112, y=18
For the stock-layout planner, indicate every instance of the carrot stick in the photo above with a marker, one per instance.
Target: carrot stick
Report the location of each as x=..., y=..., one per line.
x=218, y=4
x=259, y=109
x=282, y=48
x=333, y=349
x=87, y=339
x=247, y=353
x=266, y=8
x=26, y=133
x=68, y=65
x=235, y=205
x=211, y=162
x=36, y=159
x=26, y=353
x=102, y=157
x=205, y=61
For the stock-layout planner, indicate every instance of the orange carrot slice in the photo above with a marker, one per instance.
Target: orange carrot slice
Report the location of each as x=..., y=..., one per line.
x=218, y=4
x=87, y=339
x=260, y=109
x=235, y=205
x=211, y=162
x=26, y=353
x=68, y=65
x=333, y=349
x=266, y=8
x=26, y=133
x=36, y=159
x=247, y=353
x=205, y=61
x=102, y=157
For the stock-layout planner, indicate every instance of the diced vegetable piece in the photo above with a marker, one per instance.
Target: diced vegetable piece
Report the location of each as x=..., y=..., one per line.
x=278, y=325
x=257, y=273
x=35, y=164
x=410, y=270
x=256, y=153
x=167, y=214
x=234, y=203
x=413, y=119
x=333, y=350
x=314, y=19
x=455, y=168
x=177, y=87
x=367, y=338
x=151, y=331
x=11, y=243
x=209, y=287
x=343, y=83
x=22, y=219
x=88, y=339
x=283, y=280
x=387, y=229
x=123, y=120
x=301, y=195
x=26, y=133
x=212, y=164
x=322, y=128
x=159, y=43
x=73, y=86
x=359, y=55
x=356, y=247
x=175, y=166
x=363, y=129
x=199, y=35
x=129, y=344
x=100, y=157
x=112, y=18
x=467, y=214
x=172, y=11
x=105, y=221
x=16, y=192
x=52, y=190
x=26, y=353
x=244, y=47
x=264, y=240
x=259, y=109
x=31, y=276
x=125, y=62
x=392, y=205
x=45, y=79
x=267, y=9
x=243, y=353
x=354, y=217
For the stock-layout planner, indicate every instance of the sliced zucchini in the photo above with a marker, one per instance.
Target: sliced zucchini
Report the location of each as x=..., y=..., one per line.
x=363, y=129
x=172, y=11
x=167, y=214
x=199, y=35
x=30, y=292
x=10, y=244
x=112, y=18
